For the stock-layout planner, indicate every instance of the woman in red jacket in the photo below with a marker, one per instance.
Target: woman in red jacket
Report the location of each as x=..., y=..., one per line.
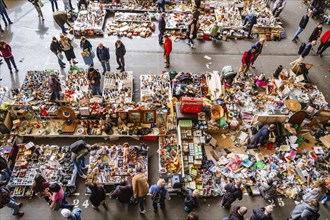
x=167, y=50
x=6, y=53
x=325, y=43
x=247, y=59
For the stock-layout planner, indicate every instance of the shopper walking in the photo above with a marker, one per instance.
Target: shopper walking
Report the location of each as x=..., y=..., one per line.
x=40, y=184
x=79, y=150
x=233, y=192
x=61, y=18
x=325, y=43
x=104, y=57
x=37, y=6
x=5, y=171
x=192, y=216
x=191, y=200
x=316, y=32
x=7, y=54
x=159, y=194
x=4, y=14
x=74, y=215
x=160, y=5
x=55, y=85
x=191, y=31
x=94, y=79
x=261, y=137
x=306, y=210
x=238, y=213
x=161, y=27
x=120, y=53
x=54, y=5
x=123, y=192
x=259, y=46
x=268, y=189
x=247, y=59
x=56, y=48
x=97, y=196
x=7, y=200
x=304, y=53
x=140, y=188
x=278, y=7
x=66, y=4
x=67, y=47
x=302, y=25
x=262, y=213
x=167, y=50
x=57, y=197
x=249, y=21
x=88, y=54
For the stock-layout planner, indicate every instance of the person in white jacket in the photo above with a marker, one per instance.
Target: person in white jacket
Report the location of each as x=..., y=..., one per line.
x=278, y=7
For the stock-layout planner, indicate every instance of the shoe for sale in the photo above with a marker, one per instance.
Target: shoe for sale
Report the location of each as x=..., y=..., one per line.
x=19, y=214
x=119, y=67
x=142, y=211
x=83, y=176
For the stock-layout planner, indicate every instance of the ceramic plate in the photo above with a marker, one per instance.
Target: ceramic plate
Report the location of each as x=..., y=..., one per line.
x=80, y=130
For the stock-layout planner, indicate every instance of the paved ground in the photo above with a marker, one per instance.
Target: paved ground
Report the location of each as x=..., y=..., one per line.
x=30, y=41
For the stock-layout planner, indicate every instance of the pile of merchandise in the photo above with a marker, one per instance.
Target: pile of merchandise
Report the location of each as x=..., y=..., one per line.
x=118, y=87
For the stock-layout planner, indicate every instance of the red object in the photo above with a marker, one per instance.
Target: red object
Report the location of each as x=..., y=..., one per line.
x=325, y=36
x=150, y=138
x=168, y=47
x=269, y=146
x=207, y=37
x=246, y=56
x=191, y=105
x=6, y=52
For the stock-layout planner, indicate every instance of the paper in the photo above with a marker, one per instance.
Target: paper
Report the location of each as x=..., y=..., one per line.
x=207, y=57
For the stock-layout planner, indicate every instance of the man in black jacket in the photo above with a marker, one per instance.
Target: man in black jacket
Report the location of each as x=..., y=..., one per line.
x=304, y=53
x=302, y=25
x=55, y=47
x=120, y=53
x=238, y=213
x=316, y=32
x=161, y=27
x=233, y=192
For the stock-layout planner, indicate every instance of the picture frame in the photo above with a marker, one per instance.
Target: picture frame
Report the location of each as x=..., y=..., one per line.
x=149, y=116
x=134, y=116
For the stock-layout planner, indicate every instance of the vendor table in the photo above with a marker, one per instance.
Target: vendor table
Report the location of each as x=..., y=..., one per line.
x=118, y=87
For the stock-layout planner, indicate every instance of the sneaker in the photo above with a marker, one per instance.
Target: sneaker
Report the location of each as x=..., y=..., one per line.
x=253, y=67
x=297, y=202
x=142, y=211
x=192, y=45
x=294, y=41
x=75, y=62
x=119, y=67
x=19, y=214
x=83, y=176
x=122, y=70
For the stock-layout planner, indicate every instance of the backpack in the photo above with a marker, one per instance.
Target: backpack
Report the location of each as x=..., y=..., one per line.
x=156, y=196
x=4, y=197
x=301, y=48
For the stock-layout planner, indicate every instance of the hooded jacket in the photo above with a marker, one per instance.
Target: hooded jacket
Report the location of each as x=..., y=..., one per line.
x=234, y=215
x=259, y=214
x=303, y=210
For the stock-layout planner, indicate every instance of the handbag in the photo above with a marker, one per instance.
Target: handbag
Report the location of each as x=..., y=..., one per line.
x=92, y=54
x=60, y=56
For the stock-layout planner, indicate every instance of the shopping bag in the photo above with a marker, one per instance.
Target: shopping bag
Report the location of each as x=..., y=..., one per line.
x=92, y=54
x=60, y=56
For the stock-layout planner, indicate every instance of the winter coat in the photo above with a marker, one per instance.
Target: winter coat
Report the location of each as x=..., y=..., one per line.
x=55, y=47
x=315, y=34
x=262, y=135
x=94, y=76
x=307, y=49
x=121, y=50
x=103, y=54
x=259, y=214
x=97, y=195
x=140, y=185
x=190, y=201
x=168, y=47
x=267, y=191
x=6, y=52
x=303, y=210
x=325, y=37
x=248, y=57
x=232, y=193
x=304, y=21
x=124, y=192
x=86, y=45
x=161, y=24
x=54, y=83
x=60, y=18
x=234, y=215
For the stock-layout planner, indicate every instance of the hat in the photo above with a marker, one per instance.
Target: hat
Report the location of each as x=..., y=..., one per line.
x=269, y=209
x=254, y=47
x=243, y=210
x=66, y=213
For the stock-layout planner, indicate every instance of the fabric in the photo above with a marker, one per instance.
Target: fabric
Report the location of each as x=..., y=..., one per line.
x=322, y=47
x=297, y=33
x=9, y=61
x=325, y=37
x=232, y=193
x=103, y=53
x=261, y=136
x=303, y=210
x=304, y=21
x=313, y=193
x=75, y=214
x=140, y=185
x=13, y=205
x=259, y=214
x=315, y=34
x=164, y=192
x=168, y=47
x=234, y=215
x=6, y=51
x=77, y=146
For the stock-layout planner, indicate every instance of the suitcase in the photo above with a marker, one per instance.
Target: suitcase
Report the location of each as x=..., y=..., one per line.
x=191, y=105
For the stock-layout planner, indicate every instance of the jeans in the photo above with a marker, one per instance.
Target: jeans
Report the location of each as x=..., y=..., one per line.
x=160, y=37
x=13, y=205
x=323, y=47
x=325, y=199
x=66, y=6
x=5, y=17
x=121, y=62
x=54, y=5
x=105, y=65
x=60, y=62
x=297, y=33
x=190, y=41
x=63, y=29
x=10, y=60
x=57, y=95
x=78, y=165
x=141, y=203
x=96, y=90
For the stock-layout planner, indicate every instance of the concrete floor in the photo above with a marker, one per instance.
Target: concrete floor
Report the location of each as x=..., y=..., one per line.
x=30, y=40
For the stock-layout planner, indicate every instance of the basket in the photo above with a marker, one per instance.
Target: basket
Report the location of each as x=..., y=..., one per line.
x=216, y=112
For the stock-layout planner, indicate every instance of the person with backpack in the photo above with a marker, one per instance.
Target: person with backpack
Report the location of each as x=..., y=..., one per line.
x=159, y=194
x=303, y=52
x=7, y=200
x=75, y=214
x=306, y=210
x=302, y=25
x=191, y=200
x=140, y=188
x=233, y=192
